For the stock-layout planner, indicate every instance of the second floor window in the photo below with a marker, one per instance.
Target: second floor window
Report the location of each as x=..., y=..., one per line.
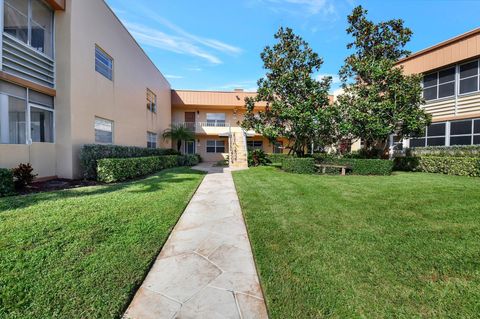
x=103, y=63
x=216, y=119
x=469, y=77
x=440, y=84
x=30, y=21
x=151, y=101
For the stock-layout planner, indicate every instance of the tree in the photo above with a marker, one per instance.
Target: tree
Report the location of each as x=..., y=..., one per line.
x=297, y=103
x=382, y=100
x=178, y=133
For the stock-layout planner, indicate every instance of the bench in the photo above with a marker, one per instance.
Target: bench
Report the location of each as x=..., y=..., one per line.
x=325, y=166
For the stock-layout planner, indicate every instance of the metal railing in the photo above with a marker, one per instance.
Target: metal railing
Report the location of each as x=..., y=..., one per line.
x=214, y=123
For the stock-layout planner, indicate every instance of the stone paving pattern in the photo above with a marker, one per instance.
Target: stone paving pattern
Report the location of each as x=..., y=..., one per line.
x=206, y=268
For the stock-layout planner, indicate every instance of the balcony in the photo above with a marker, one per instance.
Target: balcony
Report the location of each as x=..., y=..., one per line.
x=207, y=128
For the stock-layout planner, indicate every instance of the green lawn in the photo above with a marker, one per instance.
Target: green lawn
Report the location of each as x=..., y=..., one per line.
x=82, y=253
x=401, y=246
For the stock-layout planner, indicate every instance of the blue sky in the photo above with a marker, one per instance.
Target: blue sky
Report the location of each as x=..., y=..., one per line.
x=215, y=44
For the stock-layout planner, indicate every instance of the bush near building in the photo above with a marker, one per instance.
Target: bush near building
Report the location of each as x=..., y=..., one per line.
x=299, y=165
x=358, y=166
x=6, y=182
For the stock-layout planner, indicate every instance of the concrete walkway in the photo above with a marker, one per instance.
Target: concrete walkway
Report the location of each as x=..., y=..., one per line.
x=206, y=268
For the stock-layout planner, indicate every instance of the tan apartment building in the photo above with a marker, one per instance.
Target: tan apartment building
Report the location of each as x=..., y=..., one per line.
x=71, y=74
x=215, y=118
x=451, y=89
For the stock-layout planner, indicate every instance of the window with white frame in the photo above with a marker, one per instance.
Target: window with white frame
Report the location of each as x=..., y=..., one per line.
x=461, y=132
x=30, y=21
x=215, y=146
x=439, y=84
x=254, y=145
x=16, y=126
x=151, y=101
x=103, y=63
x=151, y=140
x=103, y=131
x=216, y=119
x=469, y=76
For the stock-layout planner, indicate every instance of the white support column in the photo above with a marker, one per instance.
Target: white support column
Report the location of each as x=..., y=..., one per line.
x=4, y=121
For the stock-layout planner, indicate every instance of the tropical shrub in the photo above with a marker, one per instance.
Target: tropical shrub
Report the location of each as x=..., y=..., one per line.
x=91, y=153
x=299, y=165
x=6, y=182
x=451, y=165
x=190, y=160
x=23, y=175
x=257, y=157
x=120, y=169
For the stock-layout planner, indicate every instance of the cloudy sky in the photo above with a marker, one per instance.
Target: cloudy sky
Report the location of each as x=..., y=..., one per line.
x=215, y=44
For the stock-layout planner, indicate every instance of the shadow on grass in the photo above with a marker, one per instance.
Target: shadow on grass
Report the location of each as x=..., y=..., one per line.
x=149, y=184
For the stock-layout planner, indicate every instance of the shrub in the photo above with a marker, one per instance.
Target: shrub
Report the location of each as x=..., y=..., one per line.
x=277, y=158
x=257, y=157
x=455, y=151
x=190, y=160
x=23, y=175
x=451, y=165
x=91, y=153
x=299, y=165
x=359, y=166
x=120, y=169
x=6, y=182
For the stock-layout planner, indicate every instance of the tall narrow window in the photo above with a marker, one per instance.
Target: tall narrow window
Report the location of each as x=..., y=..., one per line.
x=103, y=63
x=103, y=131
x=151, y=101
x=151, y=140
x=469, y=77
x=30, y=21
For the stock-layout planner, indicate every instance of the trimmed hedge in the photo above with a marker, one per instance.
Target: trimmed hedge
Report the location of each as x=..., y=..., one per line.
x=120, y=169
x=6, y=182
x=91, y=153
x=455, y=151
x=359, y=166
x=277, y=158
x=299, y=165
x=451, y=165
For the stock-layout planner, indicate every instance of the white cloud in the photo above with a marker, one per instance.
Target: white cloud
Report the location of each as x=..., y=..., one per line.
x=311, y=7
x=196, y=69
x=172, y=76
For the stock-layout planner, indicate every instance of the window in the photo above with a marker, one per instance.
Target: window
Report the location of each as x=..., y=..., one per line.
x=436, y=134
x=30, y=21
x=278, y=147
x=103, y=63
x=469, y=77
x=189, y=147
x=151, y=140
x=463, y=132
x=216, y=119
x=151, y=101
x=253, y=145
x=215, y=146
x=41, y=123
x=103, y=131
x=439, y=84
x=13, y=120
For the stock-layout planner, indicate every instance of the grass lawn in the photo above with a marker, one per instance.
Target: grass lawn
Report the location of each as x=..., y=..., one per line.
x=82, y=253
x=401, y=246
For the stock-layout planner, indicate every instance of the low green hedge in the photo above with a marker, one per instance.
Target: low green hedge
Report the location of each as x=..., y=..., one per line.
x=91, y=153
x=6, y=182
x=359, y=166
x=120, y=169
x=189, y=160
x=451, y=165
x=455, y=151
x=277, y=158
x=299, y=165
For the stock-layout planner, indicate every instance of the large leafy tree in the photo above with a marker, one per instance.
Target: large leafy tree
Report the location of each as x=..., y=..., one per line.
x=297, y=103
x=379, y=99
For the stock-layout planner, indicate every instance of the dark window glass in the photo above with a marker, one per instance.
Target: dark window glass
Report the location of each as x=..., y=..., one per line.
x=417, y=142
x=430, y=93
x=446, y=75
x=436, y=129
x=436, y=141
x=461, y=127
x=103, y=63
x=469, y=69
x=476, y=139
x=445, y=90
x=430, y=79
x=477, y=127
x=210, y=149
x=461, y=140
x=103, y=137
x=469, y=85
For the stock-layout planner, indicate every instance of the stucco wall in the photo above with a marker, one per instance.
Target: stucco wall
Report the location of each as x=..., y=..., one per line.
x=40, y=155
x=84, y=93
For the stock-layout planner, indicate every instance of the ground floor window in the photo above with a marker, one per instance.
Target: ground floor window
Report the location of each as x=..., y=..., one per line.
x=151, y=140
x=215, y=146
x=278, y=147
x=103, y=131
x=26, y=116
x=461, y=132
x=189, y=147
x=254, y=145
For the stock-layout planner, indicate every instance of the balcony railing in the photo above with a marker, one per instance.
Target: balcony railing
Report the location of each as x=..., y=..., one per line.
x=204, y=127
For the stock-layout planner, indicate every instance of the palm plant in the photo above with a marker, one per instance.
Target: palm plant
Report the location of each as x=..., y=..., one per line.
x=178, y=133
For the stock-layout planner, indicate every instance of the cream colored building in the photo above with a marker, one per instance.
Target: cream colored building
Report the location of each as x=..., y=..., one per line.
x=71, y=74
